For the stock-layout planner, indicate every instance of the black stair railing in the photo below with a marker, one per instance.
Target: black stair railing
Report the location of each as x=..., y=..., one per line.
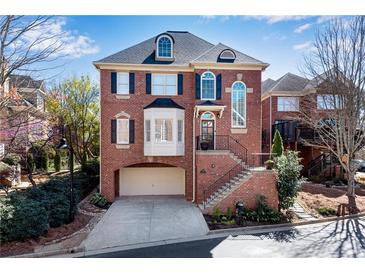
x=320, y=164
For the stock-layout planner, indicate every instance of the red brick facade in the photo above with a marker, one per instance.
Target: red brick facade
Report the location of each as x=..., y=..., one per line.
x=260, y=183
x=114, y=158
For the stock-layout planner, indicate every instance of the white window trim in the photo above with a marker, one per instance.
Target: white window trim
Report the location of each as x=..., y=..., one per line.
x=117, y=141
x=245, y=118
x=172, y=132
x=164, y=74
x=172, y=47
x=119, y=91
x=201, y=86
x=286, y=97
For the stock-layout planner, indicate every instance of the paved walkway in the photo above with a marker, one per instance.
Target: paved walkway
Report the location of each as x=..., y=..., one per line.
x=141, y=219
x=301, y=213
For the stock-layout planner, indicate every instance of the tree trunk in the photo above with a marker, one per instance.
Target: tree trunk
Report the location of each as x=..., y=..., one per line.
x=351, y=195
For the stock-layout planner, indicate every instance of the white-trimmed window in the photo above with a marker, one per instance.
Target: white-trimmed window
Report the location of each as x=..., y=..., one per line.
x=288, y=103
x=122, y=131
x=238, y=98
x=164, y=47
x=163, y=130
x=328, y=102
x=208, y=86
x=122, y=83
x=147, y=124
x=164, y=84
x=180, y=131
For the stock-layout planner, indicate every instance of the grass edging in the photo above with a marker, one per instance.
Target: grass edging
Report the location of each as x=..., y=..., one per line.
x=259, y=227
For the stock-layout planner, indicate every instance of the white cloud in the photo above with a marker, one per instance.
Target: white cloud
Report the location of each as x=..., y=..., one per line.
x=279, y=18
x=306, y=46
x=55, y=35
x=302, y=28
x=325, y=18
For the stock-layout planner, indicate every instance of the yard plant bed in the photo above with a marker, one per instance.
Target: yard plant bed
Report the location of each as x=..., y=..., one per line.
x=320, y=200
x=213, y=225
x=27, y=246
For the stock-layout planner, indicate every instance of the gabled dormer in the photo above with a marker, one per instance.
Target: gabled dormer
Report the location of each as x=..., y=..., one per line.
x=164, y=44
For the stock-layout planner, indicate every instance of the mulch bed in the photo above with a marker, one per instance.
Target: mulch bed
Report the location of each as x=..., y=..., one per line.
x=314, y=196
x=27, y=246
x=244, y=223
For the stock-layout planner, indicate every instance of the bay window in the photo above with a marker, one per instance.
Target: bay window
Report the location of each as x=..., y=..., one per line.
x=163, y=130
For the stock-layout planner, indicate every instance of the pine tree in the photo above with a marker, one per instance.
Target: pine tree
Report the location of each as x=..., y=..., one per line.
x=277, y=146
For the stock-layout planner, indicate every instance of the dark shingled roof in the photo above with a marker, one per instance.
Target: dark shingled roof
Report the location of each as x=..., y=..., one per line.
x=163, y=103
x=24, y=81
x=288, y=82
x=187, y=48
x=267, y=84
x=212, y=56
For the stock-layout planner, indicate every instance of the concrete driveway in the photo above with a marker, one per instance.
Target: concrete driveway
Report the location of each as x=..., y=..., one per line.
x=141, y=219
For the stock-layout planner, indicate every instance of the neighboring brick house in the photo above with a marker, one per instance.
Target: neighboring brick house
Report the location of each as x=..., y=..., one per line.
x=23, y=115
x=181, y=116
x=282, y=102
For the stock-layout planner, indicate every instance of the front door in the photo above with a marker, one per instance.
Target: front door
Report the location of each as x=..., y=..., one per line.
x=207, y=132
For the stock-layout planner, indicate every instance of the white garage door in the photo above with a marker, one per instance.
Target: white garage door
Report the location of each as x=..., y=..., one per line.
x=152, y=181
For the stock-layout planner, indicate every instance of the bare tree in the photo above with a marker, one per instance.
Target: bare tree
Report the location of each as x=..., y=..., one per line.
x=336, y=111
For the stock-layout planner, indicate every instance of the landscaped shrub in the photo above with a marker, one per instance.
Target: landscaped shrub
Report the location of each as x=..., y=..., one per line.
x=21, y=218
x=288, y=182
x=264, y=213
x=57, y=162
x=326, y=211
x=98, y=199
x=11, y=159
x=92, y=167
x=277, y=146
x=216, y=214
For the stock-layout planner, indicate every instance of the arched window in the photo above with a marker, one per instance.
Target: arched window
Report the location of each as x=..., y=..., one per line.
x=208, y=86
x=207, y=116
x=227, y=54
x=238, y=105
x=164, y=47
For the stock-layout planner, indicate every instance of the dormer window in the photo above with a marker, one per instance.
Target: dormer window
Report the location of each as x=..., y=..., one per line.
x=227, y=55
x=164, y=47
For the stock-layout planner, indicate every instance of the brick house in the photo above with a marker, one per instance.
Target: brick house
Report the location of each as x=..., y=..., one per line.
x=282, y=102
x=182, y=116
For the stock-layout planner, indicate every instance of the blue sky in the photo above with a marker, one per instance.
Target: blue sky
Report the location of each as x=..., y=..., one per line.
x=281, y=41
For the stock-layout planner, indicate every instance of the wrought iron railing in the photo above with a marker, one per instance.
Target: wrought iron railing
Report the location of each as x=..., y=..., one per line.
x=318, y=165
x=225, y=142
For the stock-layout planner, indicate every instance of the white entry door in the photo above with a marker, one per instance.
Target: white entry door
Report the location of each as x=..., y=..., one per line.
x=152, y=181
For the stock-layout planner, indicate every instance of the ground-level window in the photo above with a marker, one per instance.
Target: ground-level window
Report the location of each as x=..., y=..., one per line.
x=238, y=105
x=288, y=103
x=163, y=130
x=122, y=131
x=164, y=84
x=180, y=130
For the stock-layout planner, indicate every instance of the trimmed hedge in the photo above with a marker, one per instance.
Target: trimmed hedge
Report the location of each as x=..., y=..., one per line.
x=30, y=213
x=21, y=218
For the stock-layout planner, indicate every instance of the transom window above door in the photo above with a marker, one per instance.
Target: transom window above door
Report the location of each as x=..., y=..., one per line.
x=208, y=86
x=164, y=84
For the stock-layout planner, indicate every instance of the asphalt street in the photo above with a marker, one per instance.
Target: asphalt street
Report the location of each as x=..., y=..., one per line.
x=344, y=238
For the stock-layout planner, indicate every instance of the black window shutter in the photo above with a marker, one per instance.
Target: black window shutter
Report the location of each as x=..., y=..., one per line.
x=180, y=84
x=131, y=131
x=197, y=86
x=218, y=95
x=113, y=81
x=148, y=83
x=114, y=131
x=131, y=83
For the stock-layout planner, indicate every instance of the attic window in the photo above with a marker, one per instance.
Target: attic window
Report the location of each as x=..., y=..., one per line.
x=227, y=54
x=164, y=47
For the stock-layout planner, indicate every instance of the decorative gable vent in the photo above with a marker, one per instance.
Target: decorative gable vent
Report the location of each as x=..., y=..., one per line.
x=227, y=54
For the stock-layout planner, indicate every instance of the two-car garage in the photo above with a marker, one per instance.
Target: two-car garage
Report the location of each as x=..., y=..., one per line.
x=135, y=181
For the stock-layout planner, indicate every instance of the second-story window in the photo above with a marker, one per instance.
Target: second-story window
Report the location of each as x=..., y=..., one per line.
x=164, y=47
x=288, y=103
x=123, y=83
x=238, y=105
x=122, y=131
x=329, y=102
x=208, y=86
x=164, y=84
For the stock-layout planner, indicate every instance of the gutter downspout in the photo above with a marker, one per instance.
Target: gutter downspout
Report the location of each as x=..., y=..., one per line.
x=193, y=200
x=270, y=122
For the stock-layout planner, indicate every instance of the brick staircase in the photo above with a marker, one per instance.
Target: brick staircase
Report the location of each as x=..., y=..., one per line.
x=225, y=190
